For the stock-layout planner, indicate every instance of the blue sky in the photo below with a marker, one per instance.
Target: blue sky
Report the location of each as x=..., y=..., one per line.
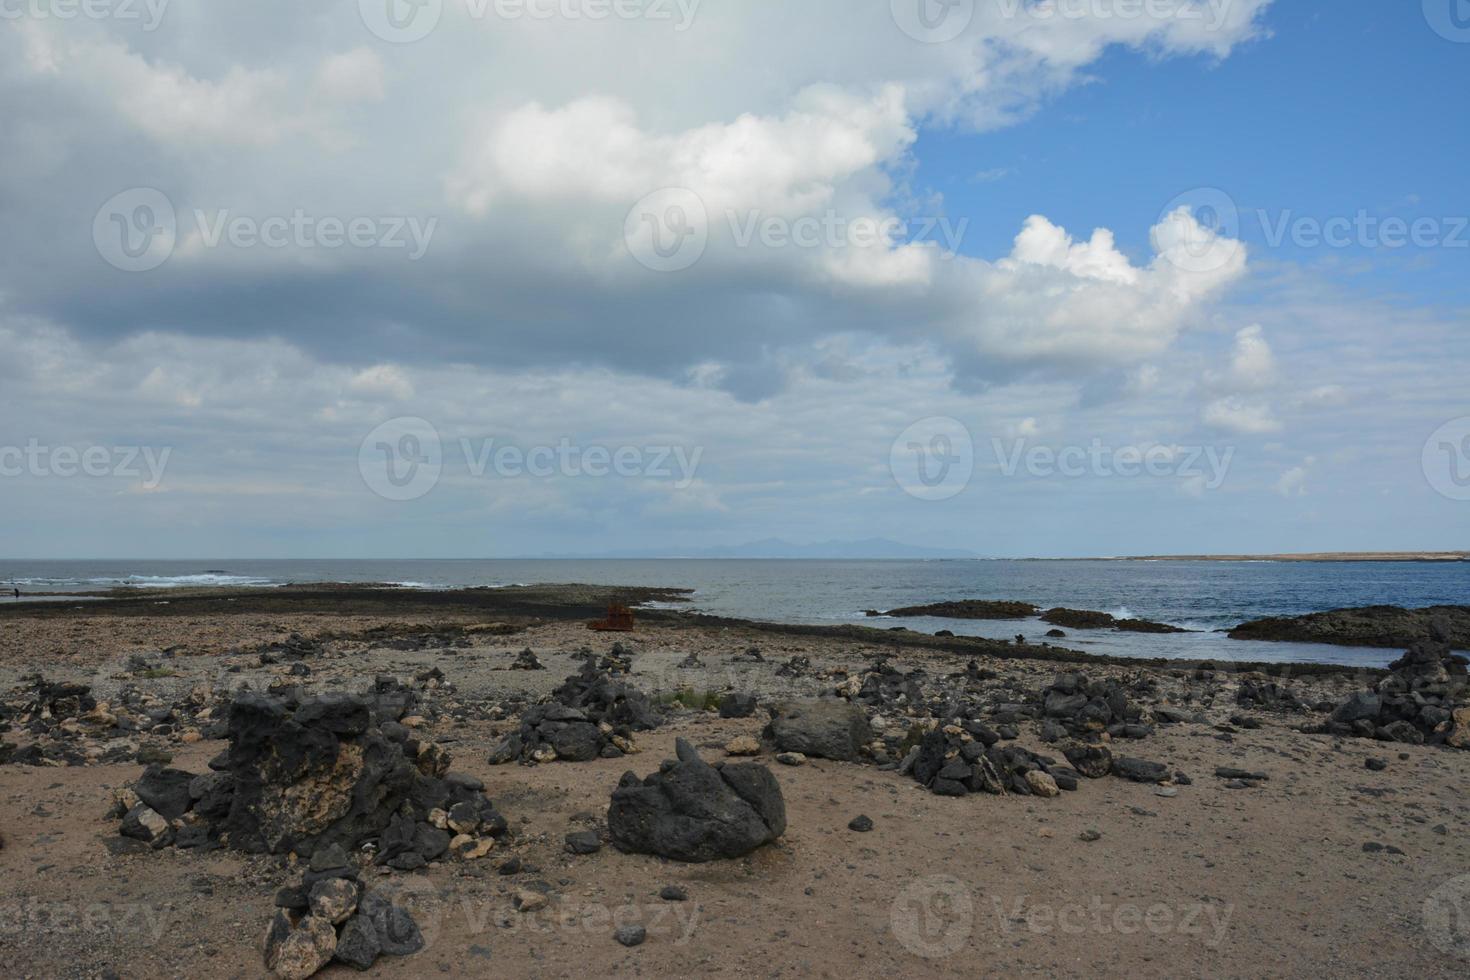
x=1342, y=108
x=367, y=293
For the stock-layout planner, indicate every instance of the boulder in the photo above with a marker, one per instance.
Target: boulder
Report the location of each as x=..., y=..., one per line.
x=694, y=812
x=303, y=949
x=1360, y=706
x=1459, y=736
x=821, y=729
x=357, y=943
x=1140, y=771
x=1092, y=761
x=738, y=706
x=334, y=899
x=165, y=790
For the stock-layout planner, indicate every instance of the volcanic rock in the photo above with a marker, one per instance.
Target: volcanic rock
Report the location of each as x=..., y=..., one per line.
x=824, y=729
x=694, y=812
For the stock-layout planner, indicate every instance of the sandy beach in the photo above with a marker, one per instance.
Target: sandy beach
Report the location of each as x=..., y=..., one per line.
x=1323, y=864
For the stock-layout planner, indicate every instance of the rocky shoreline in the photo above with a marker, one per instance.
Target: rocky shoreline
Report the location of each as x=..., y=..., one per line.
x=300, y=799
x=1373, y=626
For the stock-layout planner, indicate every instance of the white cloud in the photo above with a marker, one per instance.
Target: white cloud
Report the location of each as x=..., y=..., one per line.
x=382, y=381
x=1240, y=416
x=1293, y=482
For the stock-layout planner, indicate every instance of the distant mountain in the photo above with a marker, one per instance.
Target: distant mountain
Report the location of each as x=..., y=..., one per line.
x=873, y=548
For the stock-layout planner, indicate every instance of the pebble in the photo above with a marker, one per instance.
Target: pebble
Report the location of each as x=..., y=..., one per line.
x=529, y=901
x=631, y=936
x=743, y=745
x=861, y=824
x=791, y=759
x=673, y=893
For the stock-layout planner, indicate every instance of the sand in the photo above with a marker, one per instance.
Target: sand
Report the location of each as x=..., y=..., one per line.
x=1270, y=881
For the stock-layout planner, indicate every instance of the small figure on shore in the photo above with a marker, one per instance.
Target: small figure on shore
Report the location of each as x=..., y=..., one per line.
x=17, y=594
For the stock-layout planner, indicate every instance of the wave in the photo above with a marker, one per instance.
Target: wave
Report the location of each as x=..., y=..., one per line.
x=147, y=581
x=194, y=581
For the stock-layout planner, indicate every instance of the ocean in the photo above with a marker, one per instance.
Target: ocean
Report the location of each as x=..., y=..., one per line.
x=1197, y=595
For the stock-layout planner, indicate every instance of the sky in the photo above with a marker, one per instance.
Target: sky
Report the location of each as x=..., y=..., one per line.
x=493, y=278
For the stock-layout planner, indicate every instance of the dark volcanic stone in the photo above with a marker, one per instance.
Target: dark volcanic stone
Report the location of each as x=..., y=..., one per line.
x=861, y=824
x=165, y=790
x=397, y=933
x=1139, y=770
x=819, y=729
x=738, y=706
x=293, y=898
x=690, y=811
x=577, y=742
x=631, y=935
x=1078, y=619
x=357, y=944
x=1092, y=761
x=584, y=842
x=1360, y=707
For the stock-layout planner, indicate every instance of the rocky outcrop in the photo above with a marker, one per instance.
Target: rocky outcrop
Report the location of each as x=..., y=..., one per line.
x=694, y=812
x=1084, y=619
x=1078, y=619
x=1370, y=626
x=965, y=609
x=821, y=729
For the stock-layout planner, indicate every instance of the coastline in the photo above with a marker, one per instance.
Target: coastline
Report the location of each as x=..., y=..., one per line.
x=355, y=607
x=1134, y=846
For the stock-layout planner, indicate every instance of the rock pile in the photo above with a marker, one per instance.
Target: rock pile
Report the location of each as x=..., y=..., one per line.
x=527, y=660
x=797, y=666
x=951, y=761
x=330, y=917
x=332, y=771
x=1085, y=708
x=295, y=648
x=591, y=716
x=1421, y=701
x=618, y=660
x=68, y=726
x=1268, y=695
x=884, y=686
x=694, y=812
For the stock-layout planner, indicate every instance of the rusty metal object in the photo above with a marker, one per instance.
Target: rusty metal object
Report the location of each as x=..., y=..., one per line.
x=619, y=620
